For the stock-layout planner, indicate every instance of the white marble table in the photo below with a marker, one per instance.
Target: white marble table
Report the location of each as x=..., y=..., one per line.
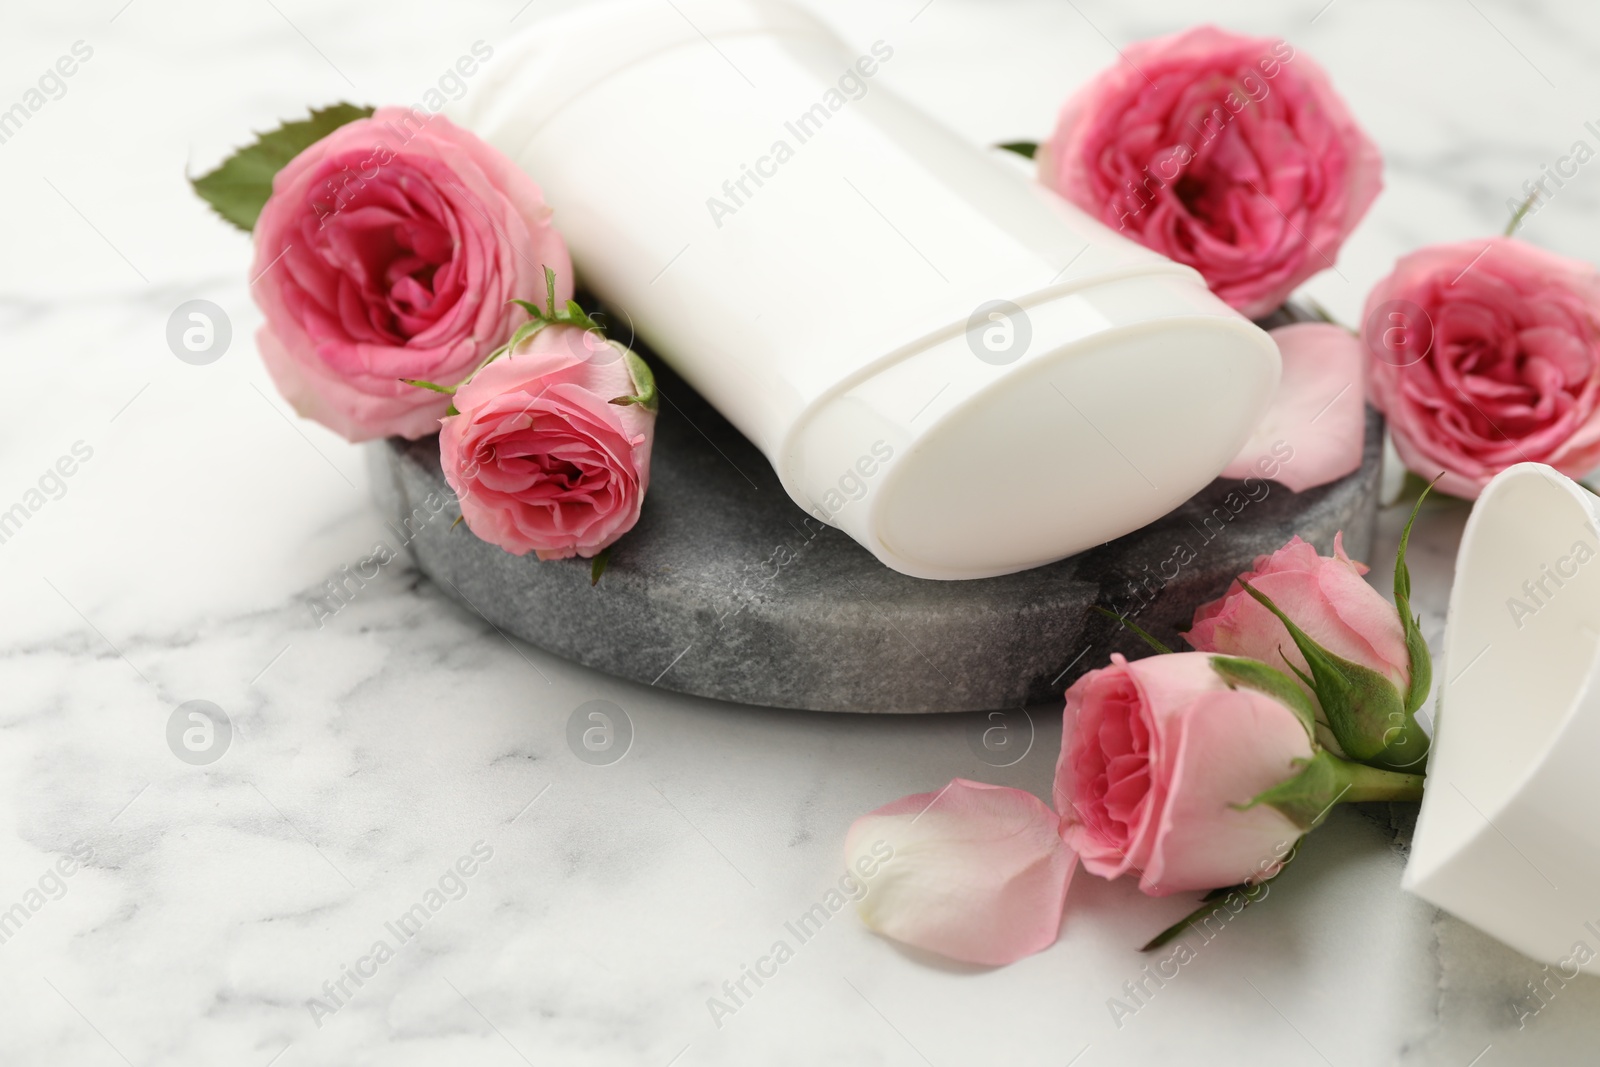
x=372, y=753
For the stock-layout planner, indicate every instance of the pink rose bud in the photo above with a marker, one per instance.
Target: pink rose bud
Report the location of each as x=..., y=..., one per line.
x=1325, y=596
x=1231, y=154
x=543, y=454
x=1159, y=758
x=1486, y=353
x=1361, y=657
x=974, y=872
x=388, y=250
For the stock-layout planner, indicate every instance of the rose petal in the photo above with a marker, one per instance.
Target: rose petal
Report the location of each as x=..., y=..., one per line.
x=1232, y=746
x=975, y=872
x=1319, y=411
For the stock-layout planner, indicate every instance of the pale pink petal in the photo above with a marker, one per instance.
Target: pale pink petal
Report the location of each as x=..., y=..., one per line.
x=1232, y=746
x=974, y=872
x=1319, y=411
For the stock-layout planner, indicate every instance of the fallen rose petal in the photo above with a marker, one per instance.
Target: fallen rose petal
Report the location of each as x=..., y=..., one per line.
x=974, y=872
x=1319, y=411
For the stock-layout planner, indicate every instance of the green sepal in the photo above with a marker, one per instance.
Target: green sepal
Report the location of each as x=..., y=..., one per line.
x=644, y=382
x=569, y=314
x=1026, y=149
x=1420, y=659
x=239, y=187
x=1253, y=674
x=1364, y=710
x=1325, y=780
x=1306, y=799
x=523, y=332
x=448, y=390
x=598, y=567
x=1522, y=211
x=1137, y=630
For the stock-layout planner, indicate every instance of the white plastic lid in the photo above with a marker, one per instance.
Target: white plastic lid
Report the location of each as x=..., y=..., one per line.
x=1126, y=396
x=1507, y=838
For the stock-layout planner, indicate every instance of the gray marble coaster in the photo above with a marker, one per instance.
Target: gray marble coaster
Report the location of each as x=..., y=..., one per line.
x=726, y=589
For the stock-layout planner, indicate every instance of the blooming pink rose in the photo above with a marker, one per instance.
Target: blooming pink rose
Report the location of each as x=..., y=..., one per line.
x=1319, y=415
x=1325, y=596
x=1487, y=353
x=1231, y=154
x=539, y=457
x=388, y=250
x=1155, y=754
x=975, y=872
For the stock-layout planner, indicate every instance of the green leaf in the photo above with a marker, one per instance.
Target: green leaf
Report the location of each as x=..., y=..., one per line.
x=598, y=567
x=1131, y=625
x=238, y=189
x=1026, y=149
x=1253, y=674
x=644, y=383
x=529, y=306
x=1421, y=661
x=1365, y=711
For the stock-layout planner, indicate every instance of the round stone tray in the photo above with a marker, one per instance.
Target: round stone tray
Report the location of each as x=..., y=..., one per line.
x=727, y=589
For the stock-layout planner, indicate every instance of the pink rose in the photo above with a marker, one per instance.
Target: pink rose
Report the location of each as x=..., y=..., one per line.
x=1155, y=755
x=1487, y=353
x=1325, y=596
x=540, y=458
x=388, y=250
x=1231, y=154
x=974, y=872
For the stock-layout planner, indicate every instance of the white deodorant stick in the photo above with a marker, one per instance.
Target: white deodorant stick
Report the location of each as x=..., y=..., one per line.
x=946, y=361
